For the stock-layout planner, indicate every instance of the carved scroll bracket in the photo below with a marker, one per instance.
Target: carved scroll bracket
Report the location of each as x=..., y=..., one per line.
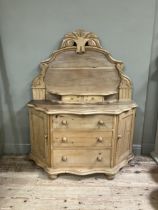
x=38, y=84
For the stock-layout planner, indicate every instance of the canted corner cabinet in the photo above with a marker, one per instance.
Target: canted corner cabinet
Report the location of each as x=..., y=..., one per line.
x=81, y=116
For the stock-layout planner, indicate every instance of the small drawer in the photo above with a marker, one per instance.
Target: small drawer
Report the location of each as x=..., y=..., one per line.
x=82, y=138
x=83, y=121
x=81, y=158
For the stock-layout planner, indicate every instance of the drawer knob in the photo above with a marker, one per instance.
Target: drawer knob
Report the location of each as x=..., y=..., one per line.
x=119, y=136
x=101, y=122
x=64, y=139
x=100, y=139
x=46, y=139
x=64, y=122
x=64, y=158
x=99, y=158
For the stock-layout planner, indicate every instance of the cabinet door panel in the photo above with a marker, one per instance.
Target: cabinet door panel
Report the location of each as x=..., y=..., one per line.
x=125, y=134
x=39, y=135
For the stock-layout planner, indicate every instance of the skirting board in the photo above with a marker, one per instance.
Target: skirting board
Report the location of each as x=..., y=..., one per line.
x=154, y=155
x=147, y=148
x=137, y=149
x=15, y=149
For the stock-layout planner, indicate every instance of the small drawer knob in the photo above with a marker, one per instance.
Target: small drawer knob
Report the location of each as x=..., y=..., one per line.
x=119, y=136
x=64, y=122
x=64, y=139
x=99, y=158
x=100, y=139
x=64, y=158
x=46, y=139
x=101, y=122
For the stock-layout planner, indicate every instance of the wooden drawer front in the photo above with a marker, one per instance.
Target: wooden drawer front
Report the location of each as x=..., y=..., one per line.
x=82, y=138
x=82, y=158
x=83, y=122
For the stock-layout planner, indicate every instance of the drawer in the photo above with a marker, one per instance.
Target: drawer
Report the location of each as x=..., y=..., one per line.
x=81, y=158
x=83, y=121
x=82, y=138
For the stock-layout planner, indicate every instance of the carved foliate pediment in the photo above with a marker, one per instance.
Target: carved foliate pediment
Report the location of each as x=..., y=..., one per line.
x=80, y=39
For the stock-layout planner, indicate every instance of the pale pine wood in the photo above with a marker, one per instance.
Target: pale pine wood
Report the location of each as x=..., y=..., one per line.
x=88, y=138
x=82, y=99
x=80, y=38
x=40, y=140
x=82, y=115
x=86, y=109
x=83, y=123
x=79, y=158
x=92, y=72
x=125, y=130
x=24, y=186
x=92, y=81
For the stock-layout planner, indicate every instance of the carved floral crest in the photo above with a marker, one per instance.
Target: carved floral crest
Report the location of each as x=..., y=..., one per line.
x=80, y=39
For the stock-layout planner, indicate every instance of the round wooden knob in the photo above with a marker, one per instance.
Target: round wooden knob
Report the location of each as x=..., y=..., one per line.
x=119, y=136
x=64, y=158
x=99, y=158
x=64, y=139
x=100, y=139
x=100, y=122
x=64, y=122
x=46, y=139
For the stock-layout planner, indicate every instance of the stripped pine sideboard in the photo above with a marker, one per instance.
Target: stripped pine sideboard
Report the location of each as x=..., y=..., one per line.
x=82, y=114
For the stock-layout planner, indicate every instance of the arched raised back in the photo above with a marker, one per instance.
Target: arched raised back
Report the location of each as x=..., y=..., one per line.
x=81, y=71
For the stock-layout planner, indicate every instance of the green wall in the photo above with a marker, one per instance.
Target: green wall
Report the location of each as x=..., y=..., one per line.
x=30, y=30
x=151, y=111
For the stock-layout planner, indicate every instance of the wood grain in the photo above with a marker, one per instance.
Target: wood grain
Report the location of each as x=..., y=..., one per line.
x=101, y=122
x=79, y=158
x=90, y=70
x=92, y=81
x=24, y=186
x=82, y=109
x=80, y=138
x=82, y=116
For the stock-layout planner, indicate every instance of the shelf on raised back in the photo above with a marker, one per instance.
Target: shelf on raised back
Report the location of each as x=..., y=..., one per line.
x=82, y=99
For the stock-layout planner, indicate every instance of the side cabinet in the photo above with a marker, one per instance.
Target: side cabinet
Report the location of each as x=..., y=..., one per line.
x=82, y=112
x=125, y=135
x=70, y=143
x=39, y=131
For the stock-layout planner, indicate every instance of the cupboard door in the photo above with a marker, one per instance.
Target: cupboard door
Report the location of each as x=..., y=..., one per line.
x=125, y=135
x=39, y=135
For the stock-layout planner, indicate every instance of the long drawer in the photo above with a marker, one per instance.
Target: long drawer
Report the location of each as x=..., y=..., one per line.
x=82, y=121
x=82, y=138
x=81, y=158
